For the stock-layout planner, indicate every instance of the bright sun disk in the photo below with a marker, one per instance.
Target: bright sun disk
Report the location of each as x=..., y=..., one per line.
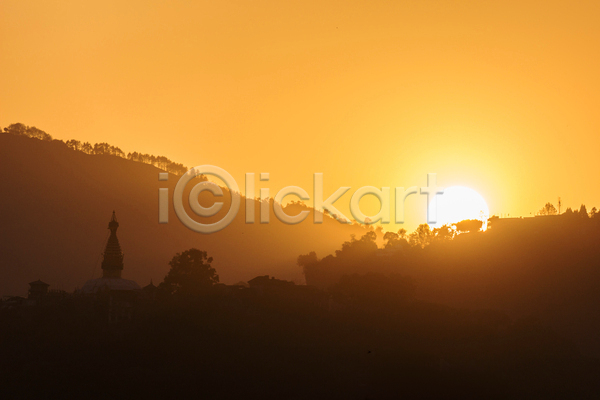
x=459, y=203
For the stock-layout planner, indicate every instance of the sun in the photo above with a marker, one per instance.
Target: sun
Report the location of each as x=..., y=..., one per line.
x=459, y=203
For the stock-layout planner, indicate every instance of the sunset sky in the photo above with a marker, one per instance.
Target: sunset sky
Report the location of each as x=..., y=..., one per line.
x=501, y=97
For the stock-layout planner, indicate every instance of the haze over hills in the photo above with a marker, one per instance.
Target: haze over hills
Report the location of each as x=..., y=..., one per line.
x=57, y=202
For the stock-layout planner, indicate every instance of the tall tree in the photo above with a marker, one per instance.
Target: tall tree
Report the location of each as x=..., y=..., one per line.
x=87, y=148
x=422, y=236
x=74, y=144
x=16, y=129
x=583, y=211
x=394, y=240
x=36, y=133
x=191, y=273
x=548, y=209
x=444, y=233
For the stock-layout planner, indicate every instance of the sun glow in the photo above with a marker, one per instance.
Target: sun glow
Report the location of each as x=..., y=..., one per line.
x=459, y=203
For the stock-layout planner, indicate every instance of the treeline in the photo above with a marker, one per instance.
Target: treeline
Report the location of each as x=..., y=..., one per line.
x=424, y=235
x=98, y=149
x=367, y=254
x=549, y=209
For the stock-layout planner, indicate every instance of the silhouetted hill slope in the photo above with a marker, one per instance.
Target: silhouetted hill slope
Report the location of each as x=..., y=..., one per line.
x=56, y=204
x=544, y=267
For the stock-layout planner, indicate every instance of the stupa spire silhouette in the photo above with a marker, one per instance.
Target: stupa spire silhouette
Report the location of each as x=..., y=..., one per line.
x=112, y=264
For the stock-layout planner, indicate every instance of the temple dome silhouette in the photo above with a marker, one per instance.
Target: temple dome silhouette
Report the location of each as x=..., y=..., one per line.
x=112, y=266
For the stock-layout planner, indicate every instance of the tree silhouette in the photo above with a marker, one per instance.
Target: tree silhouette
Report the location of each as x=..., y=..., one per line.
x=101, y=148
x=358, y=247
x=87, y=148
x=394, y=240
x=548, y=209
x=29, y=131
x=36, y=133
x=306, y=260
x=352, y=257
x=16, y=129
x=421, y=237
x=73, y=144
x=444, y=233
x=190, y=273
x=469, y=225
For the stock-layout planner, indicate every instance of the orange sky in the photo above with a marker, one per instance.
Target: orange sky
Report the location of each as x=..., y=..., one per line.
x=497, y=96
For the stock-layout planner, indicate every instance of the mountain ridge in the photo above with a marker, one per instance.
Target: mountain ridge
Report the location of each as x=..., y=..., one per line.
x=59, y=201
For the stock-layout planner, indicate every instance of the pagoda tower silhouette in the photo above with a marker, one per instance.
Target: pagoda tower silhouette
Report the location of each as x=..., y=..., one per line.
x=112, y=266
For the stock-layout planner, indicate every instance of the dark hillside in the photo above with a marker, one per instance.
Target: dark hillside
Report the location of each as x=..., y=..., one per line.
x=56, y=204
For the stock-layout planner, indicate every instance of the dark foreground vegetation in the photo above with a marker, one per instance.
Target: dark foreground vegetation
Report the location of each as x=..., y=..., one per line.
x=263, y=347
x=192, y=337
x=546, y=267
x=513, y=312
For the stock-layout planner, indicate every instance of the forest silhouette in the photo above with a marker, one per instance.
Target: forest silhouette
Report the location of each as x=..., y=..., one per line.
x=161, y=162
x=448, y=312
x=366, y=336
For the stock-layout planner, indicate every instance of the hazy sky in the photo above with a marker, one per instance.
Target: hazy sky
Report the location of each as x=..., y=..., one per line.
x=501, y=97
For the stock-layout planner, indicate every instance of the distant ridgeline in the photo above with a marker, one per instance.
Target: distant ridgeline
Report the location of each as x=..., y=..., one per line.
x=98, y=149
x=421, y=237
